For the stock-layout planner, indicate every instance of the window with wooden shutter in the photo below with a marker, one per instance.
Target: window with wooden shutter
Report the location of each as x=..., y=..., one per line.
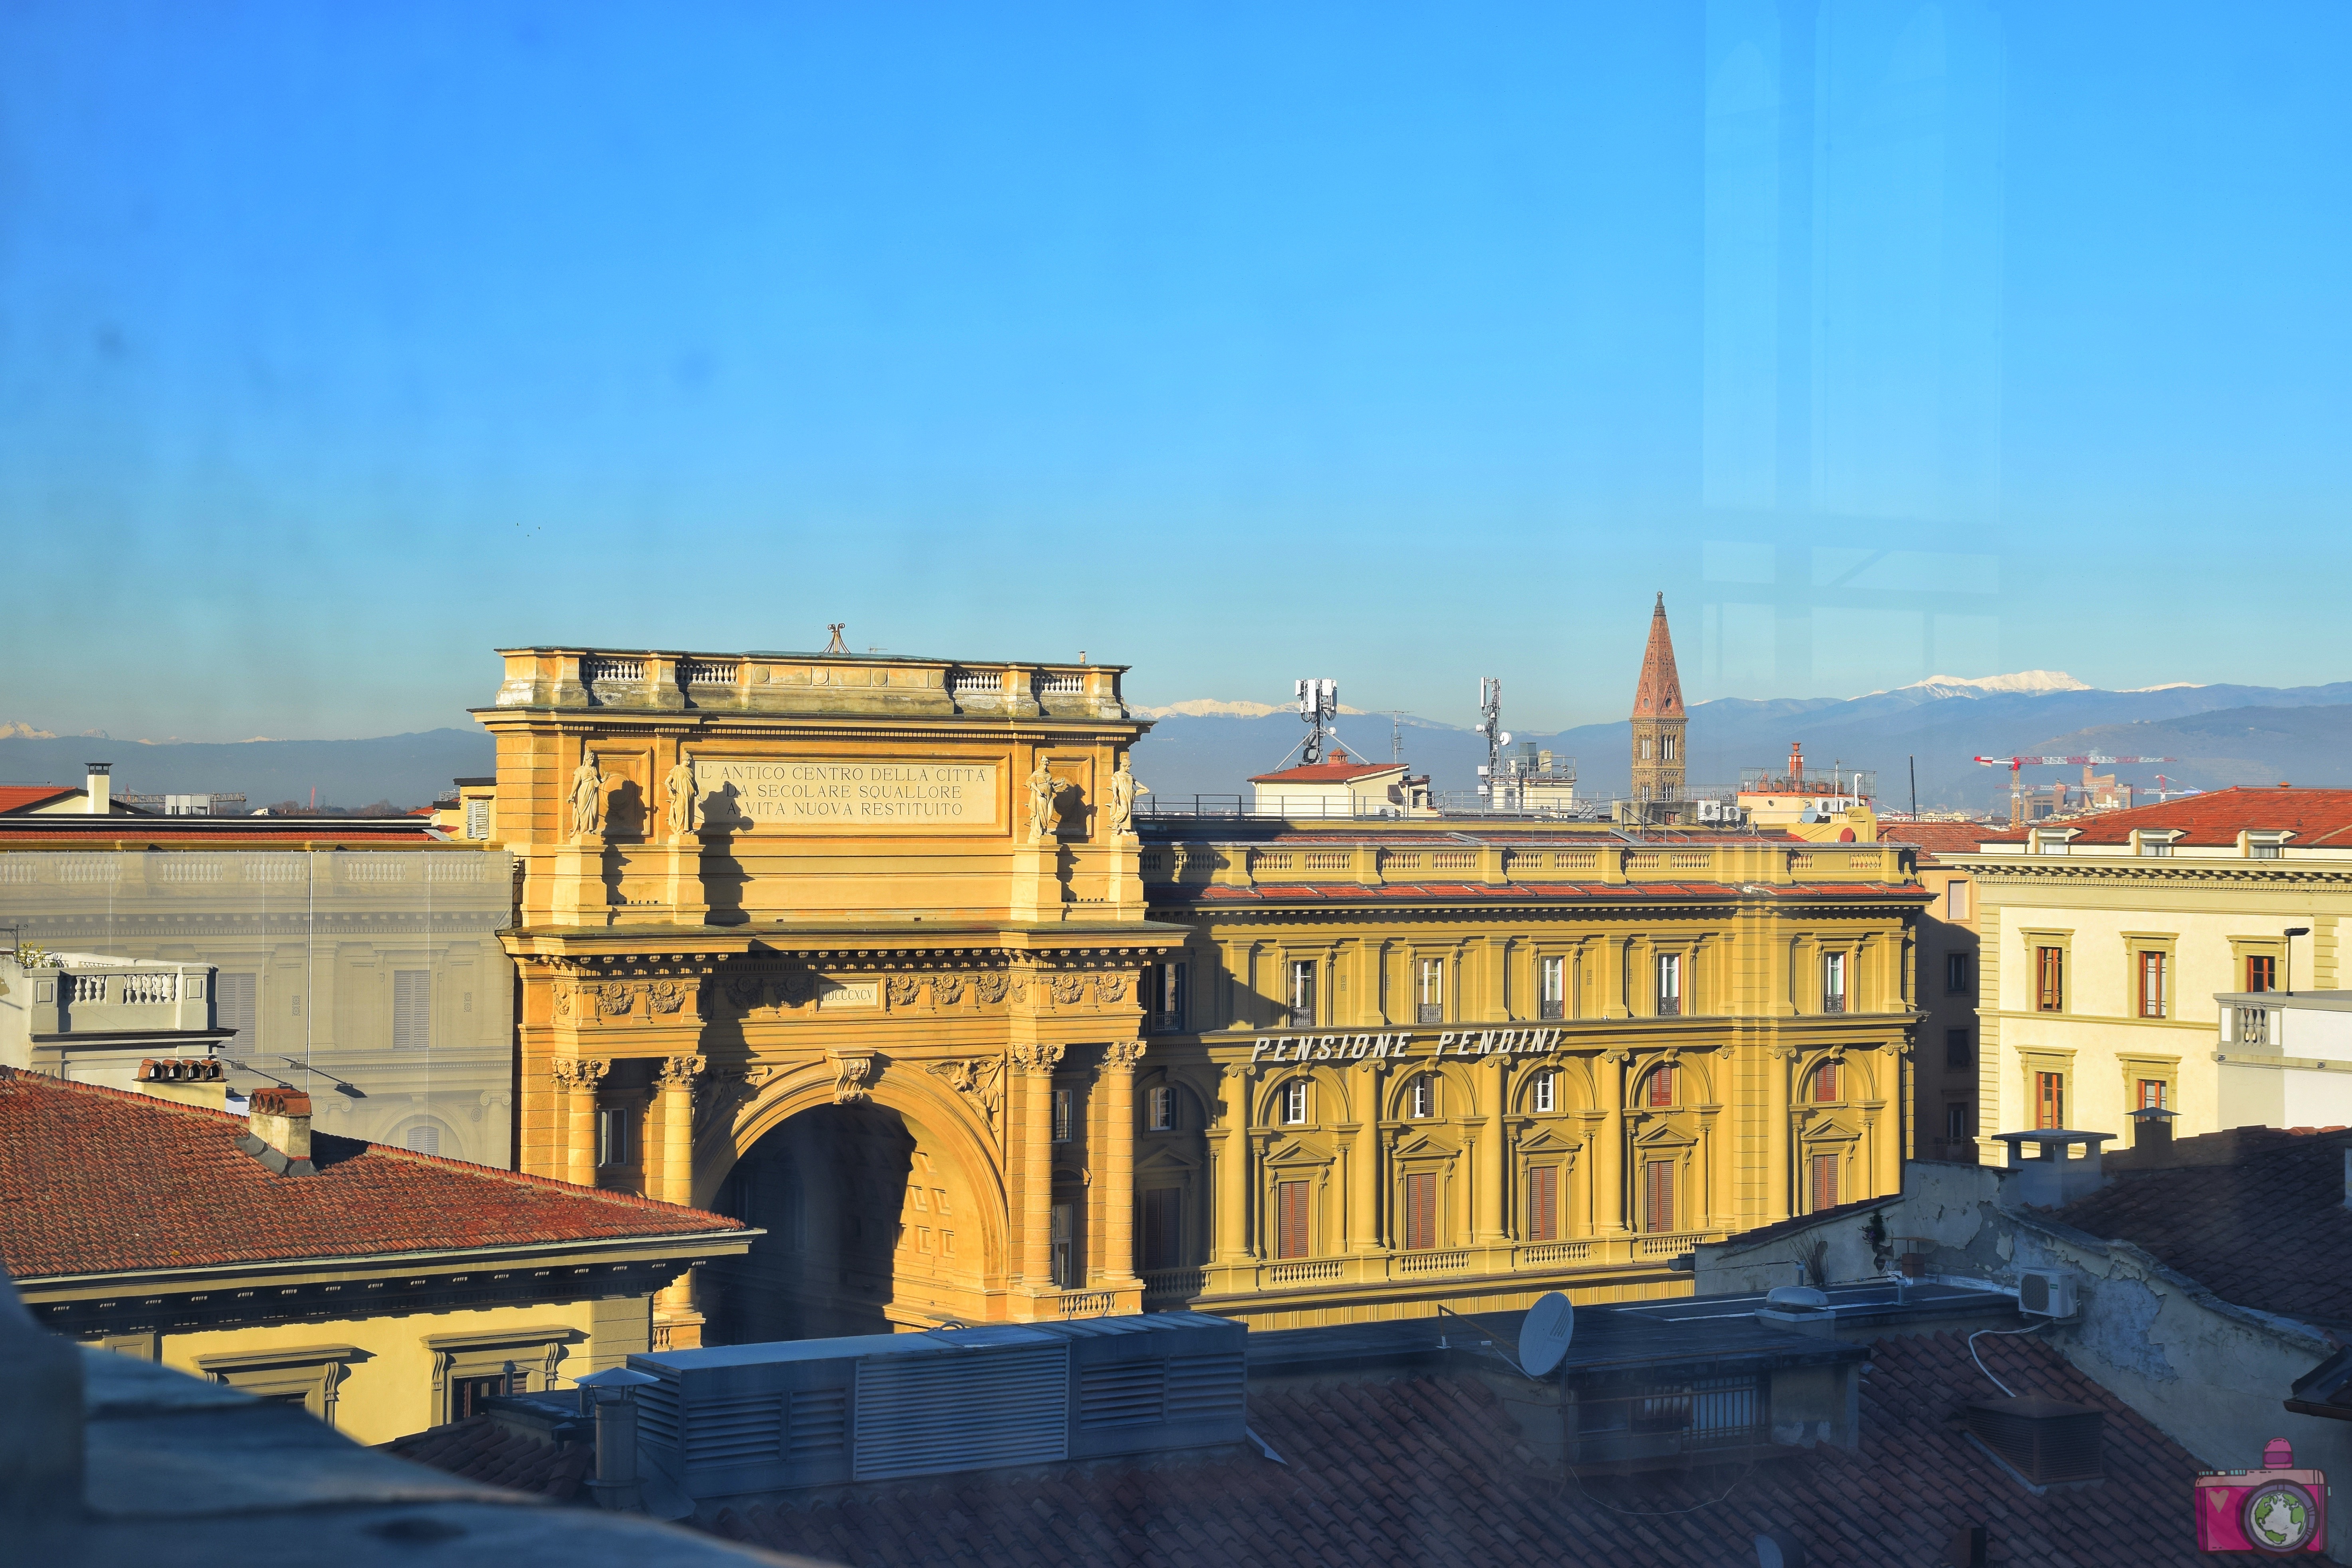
x=1543, y=1204
x=1421, y=1211
x=1163, y=1227
x=235, y=998
x=1825, y=1083
x=2050, y=978
x=2152, y=985
x=1658, y=1196
x=1826, y=1182
x=2050, y=1099
x=2261, y=972
x=1661, y=1087
x=412, y=1009
x=2151, y=1094
x=1292, y=1215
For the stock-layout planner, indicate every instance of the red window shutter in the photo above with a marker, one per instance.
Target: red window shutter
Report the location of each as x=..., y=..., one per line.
x=1826, y=1182
x=1290, y=1205
x=1543, y=1204
x=1659, y=1209
x=1421, y=1211
x=1661, y=1087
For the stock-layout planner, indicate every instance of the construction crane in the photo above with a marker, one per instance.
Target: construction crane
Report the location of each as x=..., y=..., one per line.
x=2095, y=759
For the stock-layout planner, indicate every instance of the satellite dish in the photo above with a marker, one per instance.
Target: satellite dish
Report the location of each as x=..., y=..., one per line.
x=1550, y=1324
x=1504, y=739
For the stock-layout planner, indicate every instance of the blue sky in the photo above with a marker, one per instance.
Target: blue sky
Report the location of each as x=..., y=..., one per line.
x=340, y=344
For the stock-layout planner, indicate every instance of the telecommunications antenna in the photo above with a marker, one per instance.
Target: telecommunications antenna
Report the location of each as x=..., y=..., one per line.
x=1319, y=705
x=1550, y=1324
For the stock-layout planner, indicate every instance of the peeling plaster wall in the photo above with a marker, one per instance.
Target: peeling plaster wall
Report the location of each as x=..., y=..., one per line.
x=2210, y=1374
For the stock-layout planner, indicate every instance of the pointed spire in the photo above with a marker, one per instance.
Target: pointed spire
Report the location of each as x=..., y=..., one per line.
x=1660, y=695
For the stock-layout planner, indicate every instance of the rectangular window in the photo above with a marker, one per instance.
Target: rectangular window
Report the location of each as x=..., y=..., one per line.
x=1670, y=984
x=1555, y=988
x=1955, y=899
x=412, y=1009
x=2151, y=1094
x=1163, y=1227
x=1292, y=1219
x=1956, y=1122
x=2261, y=972
x=1302, y=994
x=1163, y=999
x=477, y=819
x=1294, y=1102
x=2050, y=978
x=234, y=1007
x=1957, y=1053
x=2156, y=847
x=1825, y=1183
x=2152, y=985
x=1543, y=1204
x=1956, y=973
x=2266, y=848
x=616, y=1128
x=1661, y=1087
x=1658, y=1196
x=2049, y=1100
x=1430, y=994
x=1421, y=1211
x=1834, y=983
x=1425, y=1095
x=1065, y=1250
x=1061, y=1116
x=1547, y=1096
x=1161, y=1104
x=470, y=1396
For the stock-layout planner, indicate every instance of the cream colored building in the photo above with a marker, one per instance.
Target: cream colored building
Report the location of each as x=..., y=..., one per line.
x=2104, y=941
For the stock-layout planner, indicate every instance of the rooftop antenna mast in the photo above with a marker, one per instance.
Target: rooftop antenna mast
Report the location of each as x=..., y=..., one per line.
x=1396, y=734
x=1318, y=707
x=1490, y=724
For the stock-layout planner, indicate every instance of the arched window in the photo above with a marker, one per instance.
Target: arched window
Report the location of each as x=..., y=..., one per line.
x=1658, y=1088
x=1294, y=1102
x=1420, y=1098
x=423, y=1139
x=1825, y=1084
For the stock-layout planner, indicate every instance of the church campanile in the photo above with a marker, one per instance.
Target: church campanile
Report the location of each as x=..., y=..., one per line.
x=1658, y=717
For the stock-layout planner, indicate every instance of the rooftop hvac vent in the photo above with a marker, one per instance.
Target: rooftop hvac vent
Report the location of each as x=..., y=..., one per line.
x=931, y=1416
x=2045, y=1293
x=2047, y=1441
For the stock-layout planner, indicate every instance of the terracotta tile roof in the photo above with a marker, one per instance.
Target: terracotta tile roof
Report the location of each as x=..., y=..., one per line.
x=1934, y=838
x=24, y=797
x=478, y=1449
x=226, y=832
x=1338, y=770
x=1430, y=1470
x=96, y=1181
x=2255, y=1214
x=2315, y=817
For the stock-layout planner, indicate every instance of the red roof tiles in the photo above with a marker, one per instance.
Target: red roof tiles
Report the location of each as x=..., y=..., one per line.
x=99, y=1181
x=1432, y=1471
x=1338, y=770
x=2313, y=815
x=1934, y=838
x=24, y=797
x=2255, y=1214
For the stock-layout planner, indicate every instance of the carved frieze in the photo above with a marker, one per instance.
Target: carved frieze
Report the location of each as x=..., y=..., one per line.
x=1066, y=989
x=903, y=989
x=991, y=985
x=1111, y=988
x=946, y=990
x=668, y=996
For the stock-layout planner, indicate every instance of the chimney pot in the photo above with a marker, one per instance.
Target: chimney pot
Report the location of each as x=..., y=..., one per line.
x=99, y=788
x=277, y=1131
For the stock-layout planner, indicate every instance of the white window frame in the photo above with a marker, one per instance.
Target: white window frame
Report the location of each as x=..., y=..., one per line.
x=1421, y=1097
x=1160, y=1108
x=1547, y=1094
x=1293, y=1103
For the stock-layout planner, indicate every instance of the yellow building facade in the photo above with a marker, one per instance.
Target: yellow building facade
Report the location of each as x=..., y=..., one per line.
x=871, y=954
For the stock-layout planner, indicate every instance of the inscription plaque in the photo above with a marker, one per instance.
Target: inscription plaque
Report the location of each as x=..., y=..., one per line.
x=891, y=794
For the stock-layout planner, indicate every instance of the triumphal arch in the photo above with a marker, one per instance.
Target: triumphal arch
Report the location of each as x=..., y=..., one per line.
x=849, y=946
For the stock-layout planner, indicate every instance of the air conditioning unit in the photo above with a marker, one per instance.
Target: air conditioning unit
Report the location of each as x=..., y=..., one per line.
x=2045, y=1292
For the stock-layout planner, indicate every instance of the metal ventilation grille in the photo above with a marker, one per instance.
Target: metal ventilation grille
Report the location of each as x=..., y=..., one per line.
x=747, y=1427
x=1203, y=1387
x=933, y=1415
x=658, y=1413
x=818, y=1427
x=1132, y=1395
x=2034, y=1292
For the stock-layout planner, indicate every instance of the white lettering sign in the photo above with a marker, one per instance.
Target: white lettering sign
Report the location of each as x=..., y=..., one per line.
x=818, y=792
x=1397, y=1043
x=831, y=994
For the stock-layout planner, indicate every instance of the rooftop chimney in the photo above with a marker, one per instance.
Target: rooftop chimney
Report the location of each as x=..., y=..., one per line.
x=190, y=1080
x=279, y=1132
x=101, y=788
x=2152, y=1127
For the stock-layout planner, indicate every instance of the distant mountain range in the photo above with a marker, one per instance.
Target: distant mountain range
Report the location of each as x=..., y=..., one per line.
x=2222, y=734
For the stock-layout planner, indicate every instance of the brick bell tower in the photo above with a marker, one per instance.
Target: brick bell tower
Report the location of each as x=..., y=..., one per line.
x=1658, y=717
